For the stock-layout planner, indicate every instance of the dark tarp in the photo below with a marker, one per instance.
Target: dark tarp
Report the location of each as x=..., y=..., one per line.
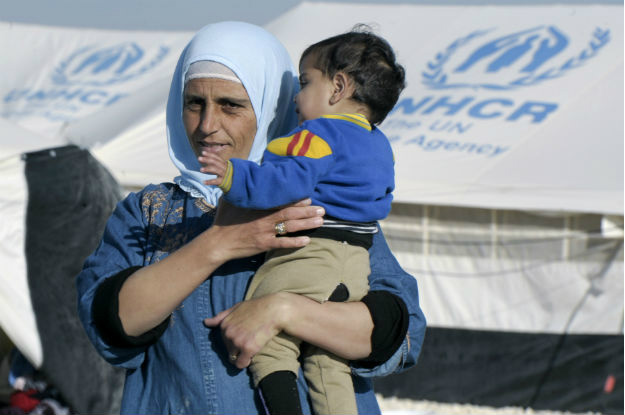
x=577, y=373
x=70, y=197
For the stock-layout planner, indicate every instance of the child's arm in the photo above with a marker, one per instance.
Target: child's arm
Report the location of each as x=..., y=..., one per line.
x=295, y=178
x=277, y=181
x=290, y=170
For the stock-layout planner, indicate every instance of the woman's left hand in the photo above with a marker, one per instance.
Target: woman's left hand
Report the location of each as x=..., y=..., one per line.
x=248, y=326
x=340, y=328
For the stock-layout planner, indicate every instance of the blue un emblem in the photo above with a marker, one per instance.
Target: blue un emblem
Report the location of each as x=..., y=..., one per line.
x=511, y=61
x=103, y=66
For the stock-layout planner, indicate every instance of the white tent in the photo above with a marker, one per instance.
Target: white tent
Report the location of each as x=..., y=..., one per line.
x=508, y=142
x=92, y=88
x=485, y=122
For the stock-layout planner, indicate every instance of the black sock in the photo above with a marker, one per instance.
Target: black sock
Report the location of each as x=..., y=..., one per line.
x=279, y=393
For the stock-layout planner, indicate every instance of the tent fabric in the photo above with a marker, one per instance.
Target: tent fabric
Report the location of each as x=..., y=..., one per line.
x=16, y=310
x=511, y=271
x=16, y=140
x=88, y=87
x=495, y=113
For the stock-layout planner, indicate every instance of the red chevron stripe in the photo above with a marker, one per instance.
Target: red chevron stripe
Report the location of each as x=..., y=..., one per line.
x=293, y=143
x=302, y=151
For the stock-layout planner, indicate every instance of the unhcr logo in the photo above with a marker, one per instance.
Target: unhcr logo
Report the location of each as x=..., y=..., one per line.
x=515, y=60
x=94, y=66
x=87, y=79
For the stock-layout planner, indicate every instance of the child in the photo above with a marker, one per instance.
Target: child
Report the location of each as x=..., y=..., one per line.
x=339, y=159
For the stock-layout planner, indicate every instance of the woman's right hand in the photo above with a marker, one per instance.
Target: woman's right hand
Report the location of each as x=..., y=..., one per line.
x=246, y=232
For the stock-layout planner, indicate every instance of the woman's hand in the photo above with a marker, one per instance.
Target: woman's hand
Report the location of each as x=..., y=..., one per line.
x=246, y=232
x=340, y=328
x=248, y=326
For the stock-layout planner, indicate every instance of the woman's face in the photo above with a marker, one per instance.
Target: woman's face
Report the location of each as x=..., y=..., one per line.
x=218, y=117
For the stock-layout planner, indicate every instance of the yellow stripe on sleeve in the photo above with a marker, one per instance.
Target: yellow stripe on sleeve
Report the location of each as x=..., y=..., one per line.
x=226, y=183
x=304, y=144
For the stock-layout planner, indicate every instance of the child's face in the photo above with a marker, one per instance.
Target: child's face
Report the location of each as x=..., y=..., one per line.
x=313, y=100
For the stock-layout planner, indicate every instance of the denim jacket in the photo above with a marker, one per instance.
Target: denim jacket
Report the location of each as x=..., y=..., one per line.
x=187, y=370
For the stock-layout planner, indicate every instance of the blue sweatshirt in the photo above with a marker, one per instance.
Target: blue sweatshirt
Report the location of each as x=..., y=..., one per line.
x=340, y=161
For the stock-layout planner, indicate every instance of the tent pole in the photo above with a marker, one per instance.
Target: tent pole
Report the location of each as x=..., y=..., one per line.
x=426, y=234
x=566, y=245
x=494, y=239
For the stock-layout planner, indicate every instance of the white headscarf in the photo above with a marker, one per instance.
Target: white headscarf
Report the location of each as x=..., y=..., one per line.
x=265, y=69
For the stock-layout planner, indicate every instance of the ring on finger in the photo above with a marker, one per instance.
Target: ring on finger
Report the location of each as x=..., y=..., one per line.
x=280, y=228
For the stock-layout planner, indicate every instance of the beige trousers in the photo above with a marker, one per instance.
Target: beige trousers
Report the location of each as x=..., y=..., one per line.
x=314, y=271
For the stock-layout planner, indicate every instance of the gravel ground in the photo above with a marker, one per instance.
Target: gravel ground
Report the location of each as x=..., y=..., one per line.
x=395, y=406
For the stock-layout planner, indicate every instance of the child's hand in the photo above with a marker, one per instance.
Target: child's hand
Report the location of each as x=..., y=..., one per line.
x=213, y=164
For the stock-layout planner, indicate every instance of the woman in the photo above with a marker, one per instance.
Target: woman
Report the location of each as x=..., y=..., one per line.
x=168, y=258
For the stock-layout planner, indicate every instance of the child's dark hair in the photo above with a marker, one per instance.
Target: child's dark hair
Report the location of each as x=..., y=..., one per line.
x=369, y=61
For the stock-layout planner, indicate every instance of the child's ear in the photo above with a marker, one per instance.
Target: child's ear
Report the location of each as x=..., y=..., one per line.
x=342, y=87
